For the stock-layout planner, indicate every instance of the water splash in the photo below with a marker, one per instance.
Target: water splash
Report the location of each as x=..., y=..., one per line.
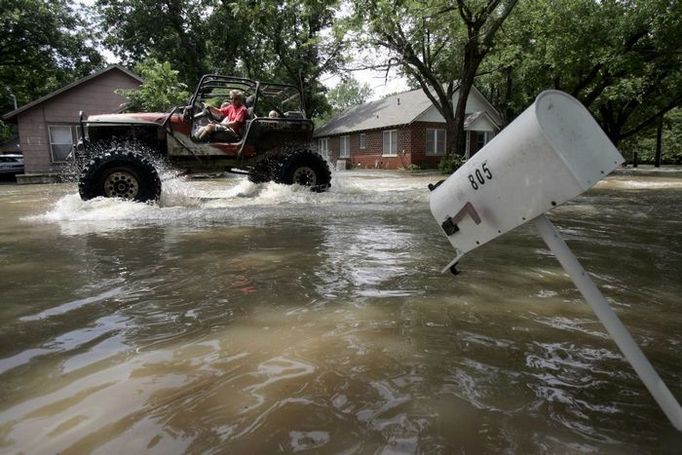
x=234, y=199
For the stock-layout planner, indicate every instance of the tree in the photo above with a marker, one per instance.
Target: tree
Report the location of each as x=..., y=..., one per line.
x=283, y=41
x=348, y=93
x=438, y=44
x=644, y=143
x=168, y=30
x=621, y=59
x=160, y=91
x=482, y=20
x=291, y=41
x=43, y=46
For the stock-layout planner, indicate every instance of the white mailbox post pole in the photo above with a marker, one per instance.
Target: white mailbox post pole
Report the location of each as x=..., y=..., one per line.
x=608, y=317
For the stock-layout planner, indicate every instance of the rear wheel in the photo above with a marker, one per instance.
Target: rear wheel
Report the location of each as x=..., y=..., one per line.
x=122, y=174
x=304, y=167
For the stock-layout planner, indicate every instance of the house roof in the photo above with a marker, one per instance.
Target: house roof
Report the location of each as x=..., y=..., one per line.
x=472, y=118
x=398, y=109
x=395, y=110
x=32, y=104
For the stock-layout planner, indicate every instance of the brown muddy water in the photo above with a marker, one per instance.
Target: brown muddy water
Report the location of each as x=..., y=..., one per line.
x=241, y=318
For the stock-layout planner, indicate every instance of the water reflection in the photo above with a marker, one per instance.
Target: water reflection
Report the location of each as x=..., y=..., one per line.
x=260, y=318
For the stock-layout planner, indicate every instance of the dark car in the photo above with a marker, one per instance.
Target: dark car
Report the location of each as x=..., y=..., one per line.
x=11, y=165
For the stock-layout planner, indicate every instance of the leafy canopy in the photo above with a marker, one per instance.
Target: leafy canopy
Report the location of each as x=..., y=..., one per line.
x=621, y=59
x=44, y=45
x=348, y=93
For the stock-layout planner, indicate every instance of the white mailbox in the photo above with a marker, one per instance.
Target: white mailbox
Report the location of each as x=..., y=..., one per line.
x=551, y=153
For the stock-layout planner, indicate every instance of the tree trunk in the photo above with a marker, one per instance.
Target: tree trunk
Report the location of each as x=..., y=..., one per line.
x=472, y=59
x=506, y=110
x=659, y=143
x=611, y=124
x=450, y=135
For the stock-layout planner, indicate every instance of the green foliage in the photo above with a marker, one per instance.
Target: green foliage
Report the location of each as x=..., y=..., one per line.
x=645, y=143
x=291, y=41
x=43, y=46
x=6, y=132
x=346, y=94
x=283, y=41
x=172, y=30
x=451, y=163
x=161, y=90
x=672, y=136
x=621, y=59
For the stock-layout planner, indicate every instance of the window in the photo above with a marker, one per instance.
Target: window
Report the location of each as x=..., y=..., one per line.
x=482, y=138
x=391, y=142
x=477, y=140
x=363, y=141
x=62, y=138
x=344, y=147
x=323, y=145
x=435, y=142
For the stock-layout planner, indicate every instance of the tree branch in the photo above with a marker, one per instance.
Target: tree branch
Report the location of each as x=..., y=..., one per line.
x=653, y=118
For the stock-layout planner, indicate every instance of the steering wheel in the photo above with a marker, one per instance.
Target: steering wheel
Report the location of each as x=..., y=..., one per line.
x=205, y=112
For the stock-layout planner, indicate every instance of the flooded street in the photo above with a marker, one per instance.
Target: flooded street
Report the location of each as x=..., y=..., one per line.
x=242, y=318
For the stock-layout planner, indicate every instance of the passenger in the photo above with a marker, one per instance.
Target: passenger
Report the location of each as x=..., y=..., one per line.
x=273, y=114
x=234, y=117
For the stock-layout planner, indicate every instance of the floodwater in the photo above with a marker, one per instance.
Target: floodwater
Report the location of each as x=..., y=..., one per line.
x=242, y=318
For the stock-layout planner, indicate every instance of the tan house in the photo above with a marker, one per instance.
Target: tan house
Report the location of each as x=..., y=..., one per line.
x=402, y=130
x=48, y=127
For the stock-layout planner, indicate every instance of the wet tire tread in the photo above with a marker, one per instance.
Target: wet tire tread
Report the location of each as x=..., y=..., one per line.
x=90, y=182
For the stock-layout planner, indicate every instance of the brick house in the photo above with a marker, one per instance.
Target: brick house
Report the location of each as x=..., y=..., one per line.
x=402, y=130
x=48, y=126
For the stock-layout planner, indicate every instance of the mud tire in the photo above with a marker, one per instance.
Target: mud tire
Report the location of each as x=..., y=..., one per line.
x=261, y=172
x=120, y=173
x=304, y=167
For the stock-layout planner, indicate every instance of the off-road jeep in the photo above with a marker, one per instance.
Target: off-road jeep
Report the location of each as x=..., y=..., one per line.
x=114, y=155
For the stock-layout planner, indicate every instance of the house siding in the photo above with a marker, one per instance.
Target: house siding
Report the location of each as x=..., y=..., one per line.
x=411, y=148
x=372, y=155
x=95, y=96
x=419, y=156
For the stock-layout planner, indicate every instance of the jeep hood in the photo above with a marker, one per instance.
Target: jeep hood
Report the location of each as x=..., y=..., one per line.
x=141, y=118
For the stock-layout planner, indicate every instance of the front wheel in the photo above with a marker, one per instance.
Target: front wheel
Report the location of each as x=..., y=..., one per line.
x=120, y=174
x=304, y=167
x=261, y=172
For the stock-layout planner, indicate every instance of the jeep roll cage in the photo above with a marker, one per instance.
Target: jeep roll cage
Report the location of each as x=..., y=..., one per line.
x=211, y=85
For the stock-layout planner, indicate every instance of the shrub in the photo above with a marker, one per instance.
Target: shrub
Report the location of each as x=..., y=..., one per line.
x=451, y=163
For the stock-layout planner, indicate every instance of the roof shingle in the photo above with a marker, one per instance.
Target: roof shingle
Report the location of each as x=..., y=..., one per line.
x=398, y=109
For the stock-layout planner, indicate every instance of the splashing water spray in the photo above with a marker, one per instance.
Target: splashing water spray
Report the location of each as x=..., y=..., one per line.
x=550, y=154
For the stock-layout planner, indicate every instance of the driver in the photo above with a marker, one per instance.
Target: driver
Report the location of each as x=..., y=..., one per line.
x=234, y=117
